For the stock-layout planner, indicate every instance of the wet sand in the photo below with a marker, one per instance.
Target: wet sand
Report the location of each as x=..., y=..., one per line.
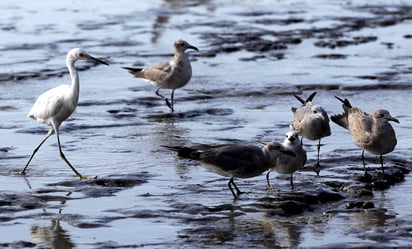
x=252, y=58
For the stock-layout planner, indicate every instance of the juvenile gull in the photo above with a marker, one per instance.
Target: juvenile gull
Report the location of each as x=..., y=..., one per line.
x=169, y=74
x=311, y=122
x=234, y=160
x=372, y=133
x=56, y=105
x=286, y=164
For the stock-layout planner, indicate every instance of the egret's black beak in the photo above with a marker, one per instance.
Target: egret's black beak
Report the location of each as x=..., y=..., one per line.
x=91, y=58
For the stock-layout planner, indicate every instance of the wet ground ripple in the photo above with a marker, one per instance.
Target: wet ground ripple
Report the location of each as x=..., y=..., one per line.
x=213, y=224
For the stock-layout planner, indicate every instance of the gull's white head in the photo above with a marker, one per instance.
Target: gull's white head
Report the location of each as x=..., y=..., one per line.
x=291, y=139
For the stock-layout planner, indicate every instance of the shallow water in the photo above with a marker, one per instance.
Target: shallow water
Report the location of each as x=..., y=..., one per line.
x=253, y=56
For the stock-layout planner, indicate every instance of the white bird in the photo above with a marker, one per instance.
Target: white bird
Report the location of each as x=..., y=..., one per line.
x=372, y=133
x=169, y=74
x=311, y=122
x=56, y=105
x=234, y=160
x=286, y=164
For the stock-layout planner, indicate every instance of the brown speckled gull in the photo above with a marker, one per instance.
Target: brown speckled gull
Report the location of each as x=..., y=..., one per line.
x=372, y=133
x=169, y=74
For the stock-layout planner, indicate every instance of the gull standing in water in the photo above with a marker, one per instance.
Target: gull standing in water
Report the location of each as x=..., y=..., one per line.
x=287, y=164
x=170, y=74
x=311, y=122
x=234, y=160
x=56, y=105
x=372, y=133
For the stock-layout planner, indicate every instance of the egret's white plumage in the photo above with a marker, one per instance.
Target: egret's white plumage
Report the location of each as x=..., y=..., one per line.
x=372, y=133
x=56, y=105
x=169, y=74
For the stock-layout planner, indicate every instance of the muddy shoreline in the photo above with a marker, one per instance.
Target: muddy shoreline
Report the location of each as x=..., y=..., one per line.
x=251, y=60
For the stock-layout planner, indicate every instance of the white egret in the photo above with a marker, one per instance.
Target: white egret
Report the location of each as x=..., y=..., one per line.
x=56, y=105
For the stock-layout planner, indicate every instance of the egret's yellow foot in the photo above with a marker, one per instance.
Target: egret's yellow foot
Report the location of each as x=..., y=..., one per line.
x=81, y=177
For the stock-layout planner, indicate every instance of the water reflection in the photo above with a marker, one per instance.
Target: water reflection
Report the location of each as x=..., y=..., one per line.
x=370, y=219
x=281, y=233
x=158, y=27
x=236, y=229
x=163, y=17
x=373, y=218
x=232, y=29
x=26, y=180
x=52, y=236
x=166, y=132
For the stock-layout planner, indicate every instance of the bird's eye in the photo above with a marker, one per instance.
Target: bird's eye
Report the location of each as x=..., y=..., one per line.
x=381, y=115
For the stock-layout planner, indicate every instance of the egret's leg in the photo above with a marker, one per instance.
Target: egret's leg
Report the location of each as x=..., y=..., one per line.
x=64, y=157
x=383, y=171
x=49, y=133
x=291, y=180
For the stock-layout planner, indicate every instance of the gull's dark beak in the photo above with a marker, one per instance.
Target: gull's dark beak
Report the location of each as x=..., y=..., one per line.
x=193, y=47
x=394, y=120
x=390, y=118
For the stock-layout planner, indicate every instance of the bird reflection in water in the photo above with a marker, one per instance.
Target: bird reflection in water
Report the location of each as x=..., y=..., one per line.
x=284, y=234
x=53, y=236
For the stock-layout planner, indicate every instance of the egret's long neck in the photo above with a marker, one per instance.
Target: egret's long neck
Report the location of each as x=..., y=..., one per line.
x=74, y=88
